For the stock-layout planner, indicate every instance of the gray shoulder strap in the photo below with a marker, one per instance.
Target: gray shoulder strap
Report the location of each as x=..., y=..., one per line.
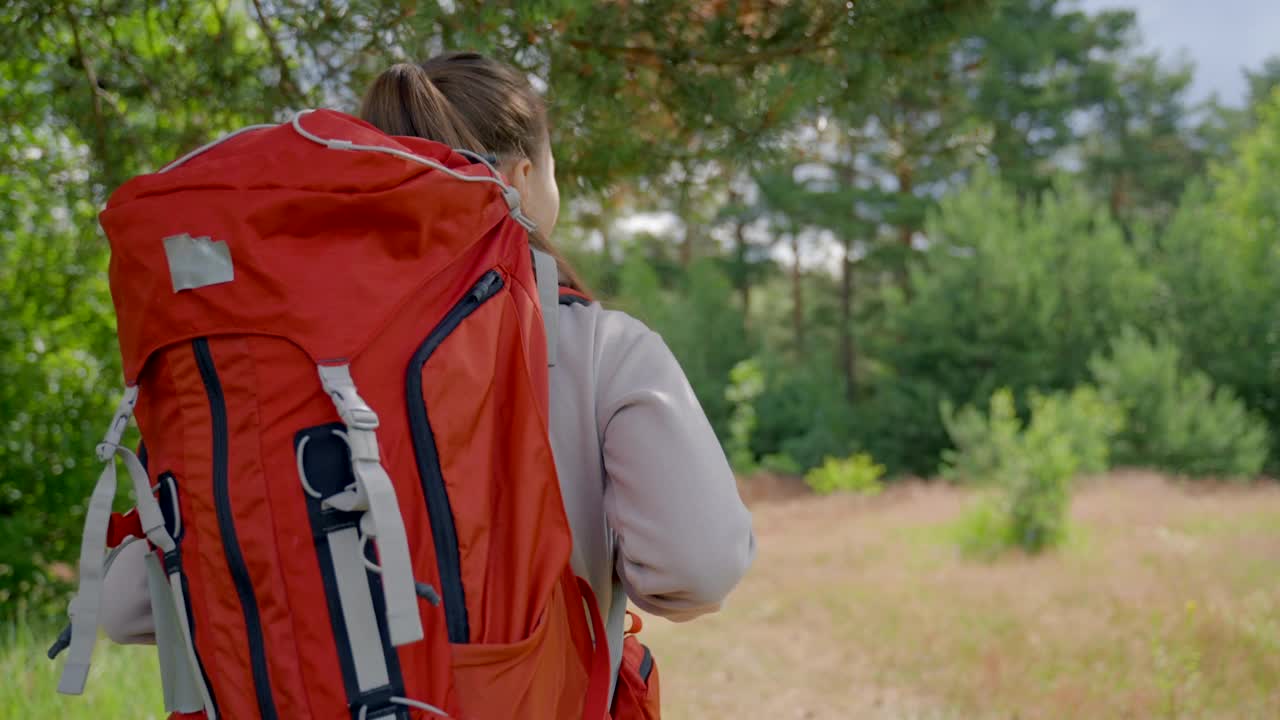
x=182, y=694
x=549, y=297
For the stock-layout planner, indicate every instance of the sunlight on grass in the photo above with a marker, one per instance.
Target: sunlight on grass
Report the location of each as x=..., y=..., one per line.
x=1160, y=605
x=123, y=683
x=1135, y=616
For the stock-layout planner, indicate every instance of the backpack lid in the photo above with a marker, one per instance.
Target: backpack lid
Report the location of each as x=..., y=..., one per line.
x=272, y=233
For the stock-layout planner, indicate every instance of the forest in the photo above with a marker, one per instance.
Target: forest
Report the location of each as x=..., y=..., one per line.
x=996, y=242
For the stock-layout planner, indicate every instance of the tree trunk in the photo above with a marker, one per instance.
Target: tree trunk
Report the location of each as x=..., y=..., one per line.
x=740, y=253
x=797, y=294
x=744, y=277
x=685, y=209
x=609, y=206
x=848, y=350
x=906, y=186
x=848, y=360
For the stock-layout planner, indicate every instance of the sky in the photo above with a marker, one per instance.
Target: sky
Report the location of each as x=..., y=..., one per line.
x=1220, y=36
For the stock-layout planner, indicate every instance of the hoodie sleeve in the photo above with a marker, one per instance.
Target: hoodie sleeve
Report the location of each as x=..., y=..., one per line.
x=683, y=537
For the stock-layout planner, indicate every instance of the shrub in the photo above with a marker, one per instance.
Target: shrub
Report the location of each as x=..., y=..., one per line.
x=746, y=382
x=1176, y=419
x=59, y=371
x=803, y=412
x=857, y=473
x=1029, y=468
x=1221, y=263
x=1010, y=293
x=983, y=531
x=1068, y=434
x=982, y=442
x=781, y=464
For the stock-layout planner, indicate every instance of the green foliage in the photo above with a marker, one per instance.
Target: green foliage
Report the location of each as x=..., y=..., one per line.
x=983, y=442
x=984, y=530
x=1142, y=155
x=1038, y=63
x=90, y=94
x=1176, y=419
x=59, y=377
x=746, y=382
x=857, y=474
x=1220, y=263
x=1007, y=295
x=1087, y=420
x=803, y=412
x=125, y=681
x=781, y=464
x=1028, y=468
x=752, y=128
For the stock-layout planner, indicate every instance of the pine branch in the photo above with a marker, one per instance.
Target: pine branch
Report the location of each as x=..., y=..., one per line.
x=101, y=146
x=287, y=84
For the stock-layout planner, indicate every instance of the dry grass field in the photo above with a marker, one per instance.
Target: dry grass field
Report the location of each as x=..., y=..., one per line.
x=1165, y=603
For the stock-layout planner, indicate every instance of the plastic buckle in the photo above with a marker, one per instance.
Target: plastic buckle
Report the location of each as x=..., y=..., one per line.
x=361, y=418
x=106, y=449
x=512, y=196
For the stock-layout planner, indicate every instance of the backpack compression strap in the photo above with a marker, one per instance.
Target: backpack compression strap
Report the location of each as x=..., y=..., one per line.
x=86, y=606
x=544, y=266
x=374, y=494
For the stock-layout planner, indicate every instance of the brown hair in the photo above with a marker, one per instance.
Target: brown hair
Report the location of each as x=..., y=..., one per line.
x=470, y=102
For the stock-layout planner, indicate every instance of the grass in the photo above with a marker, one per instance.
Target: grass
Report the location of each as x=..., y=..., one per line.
x=123, y=683
x=1165, y=603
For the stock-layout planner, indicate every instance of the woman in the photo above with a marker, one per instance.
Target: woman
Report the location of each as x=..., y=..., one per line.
x=650, y=497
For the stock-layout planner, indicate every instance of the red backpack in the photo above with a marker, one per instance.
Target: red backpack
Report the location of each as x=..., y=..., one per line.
x=336, y=347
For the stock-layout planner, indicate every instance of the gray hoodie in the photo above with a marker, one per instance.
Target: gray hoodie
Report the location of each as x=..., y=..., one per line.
x=654, y=507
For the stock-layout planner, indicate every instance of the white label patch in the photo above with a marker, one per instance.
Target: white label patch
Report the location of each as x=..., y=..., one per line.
x=196, y=262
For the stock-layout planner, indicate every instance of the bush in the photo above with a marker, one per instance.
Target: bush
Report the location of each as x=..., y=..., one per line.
x=1176, y=419
x=1029, y=469
x=1220, y=261
x=781, y=464
x=1009, y=294
x=803, y=412
x=982, y=442
x=746, y=382
x=984, y=530
x=59, y=370
x=857, y=473
x=1086, y=419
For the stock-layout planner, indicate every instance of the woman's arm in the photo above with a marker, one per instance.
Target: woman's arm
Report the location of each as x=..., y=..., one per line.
x=684, y=537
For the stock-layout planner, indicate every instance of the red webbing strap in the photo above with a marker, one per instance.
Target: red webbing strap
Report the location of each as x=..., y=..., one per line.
x=569, y=294
x=122, y=526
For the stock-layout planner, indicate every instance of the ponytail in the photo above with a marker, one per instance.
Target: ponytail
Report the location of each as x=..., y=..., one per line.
x=404, y=101
x=469, y=102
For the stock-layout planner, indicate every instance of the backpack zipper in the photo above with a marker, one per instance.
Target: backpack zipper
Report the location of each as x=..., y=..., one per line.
x=227, y=528
x=443, y=531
